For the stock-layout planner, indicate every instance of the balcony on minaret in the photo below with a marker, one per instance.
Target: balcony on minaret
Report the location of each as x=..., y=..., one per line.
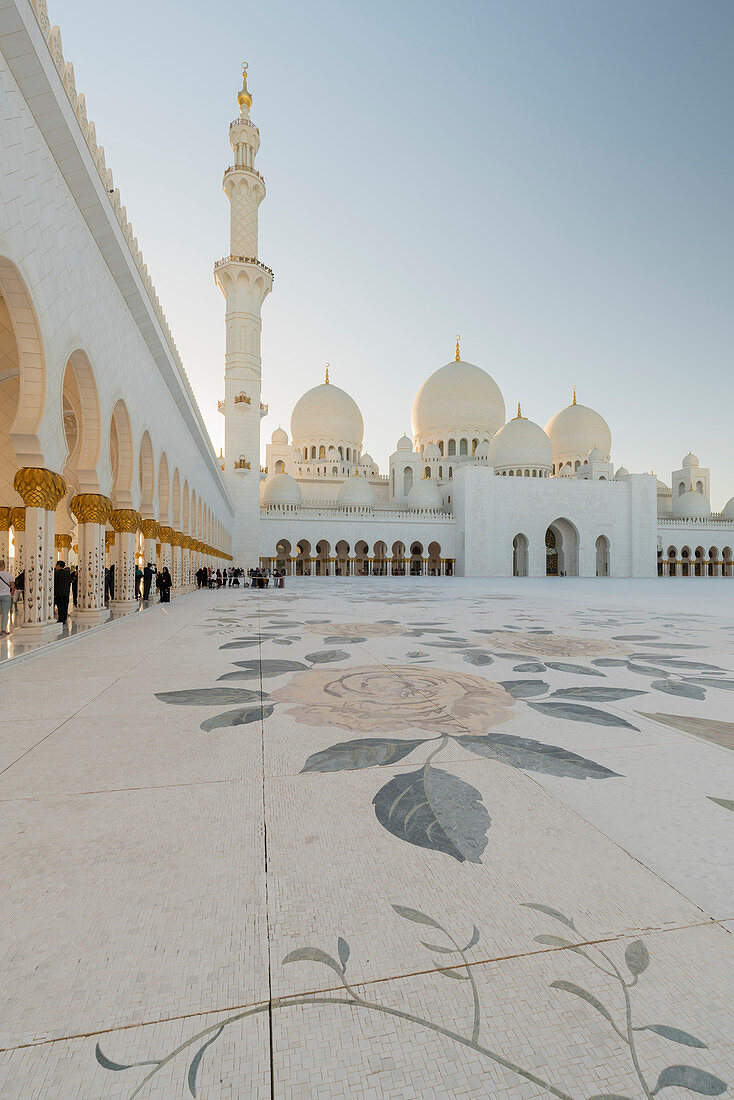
x=241, y=463
x=263, y=409
x=242, y=399
x=243, y=168
x=221, y=406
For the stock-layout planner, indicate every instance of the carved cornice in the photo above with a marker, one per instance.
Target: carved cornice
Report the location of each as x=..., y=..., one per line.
x=17, y=519
x=90, y=508
x=125, y=519
x=39, y=488
x=150, y=528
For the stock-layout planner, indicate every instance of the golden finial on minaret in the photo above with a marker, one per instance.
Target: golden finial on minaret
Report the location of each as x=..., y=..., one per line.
x=519, y=412
x=220, y=453
x=243, y=97
x=326, y=380
x=574, y=396
x=458, y=353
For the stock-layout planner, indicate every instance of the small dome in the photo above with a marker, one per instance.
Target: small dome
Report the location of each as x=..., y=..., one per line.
x=404, y=444
x=728, y=510
x=690, y=460
x=280, y=435
x=366, y=460
x=431, y=451
x=567, y=470
x=691, y=505
x=520, y=443
x=356, y=492
x=425, y=494
x=327, y=413
x=595, y=455
x=482, y=449
x=663, y=488
x=281, y=489
x=621, y=472
x=458, y=398
x=575, y=430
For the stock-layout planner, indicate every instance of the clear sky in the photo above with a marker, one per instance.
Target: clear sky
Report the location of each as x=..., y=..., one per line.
x=553, y=179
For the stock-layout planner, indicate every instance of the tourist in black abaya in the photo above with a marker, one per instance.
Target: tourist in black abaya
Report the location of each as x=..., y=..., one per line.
x=164, y=585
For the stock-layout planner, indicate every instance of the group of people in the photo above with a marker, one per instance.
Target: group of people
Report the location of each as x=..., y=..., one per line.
x=260, y=578
x=206, y=577
x=12, y=590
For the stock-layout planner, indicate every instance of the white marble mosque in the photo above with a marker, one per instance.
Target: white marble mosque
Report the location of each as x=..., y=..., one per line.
x=104, y=455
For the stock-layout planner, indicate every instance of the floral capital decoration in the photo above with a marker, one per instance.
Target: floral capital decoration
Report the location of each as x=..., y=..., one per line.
x=39, y=488
x=90, y=508
x=17, y=519
x=125, y=519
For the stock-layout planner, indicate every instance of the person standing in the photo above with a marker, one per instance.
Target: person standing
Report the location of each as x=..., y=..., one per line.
x=164, y=584
x=62, y=587
x=147, y=580
x=138, y=581
x=7, y=588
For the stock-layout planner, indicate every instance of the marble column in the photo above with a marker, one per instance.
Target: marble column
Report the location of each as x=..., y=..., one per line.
x=176, y=556
x=62, y=545
x=41, y=490
x=5, y=535
x=149, y=529
x=125, y=522
x=167, y=534
x=92, y=512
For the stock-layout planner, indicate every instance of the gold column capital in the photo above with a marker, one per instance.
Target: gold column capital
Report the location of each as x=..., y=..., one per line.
x=167, y=534
x=90, y=507
x=17, y=519
x=62, y=542
x=177, y=539
x=125, y=519
x=5, y=521
x=109, y=539
x=39, y=488
x=150, y=528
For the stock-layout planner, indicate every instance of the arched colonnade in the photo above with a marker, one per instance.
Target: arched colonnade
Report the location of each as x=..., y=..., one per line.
x=362, y=558
x=696, y=561
x=79, y=481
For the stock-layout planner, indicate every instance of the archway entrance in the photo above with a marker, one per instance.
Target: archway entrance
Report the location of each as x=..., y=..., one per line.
x=602, y=556
x=561, y=549
x=283, y=556
x=520, y=556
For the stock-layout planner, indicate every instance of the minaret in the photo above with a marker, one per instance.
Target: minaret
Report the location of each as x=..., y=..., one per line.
x=245, y=283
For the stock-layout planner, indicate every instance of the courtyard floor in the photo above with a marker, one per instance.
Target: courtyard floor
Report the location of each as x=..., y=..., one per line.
x=374, y=838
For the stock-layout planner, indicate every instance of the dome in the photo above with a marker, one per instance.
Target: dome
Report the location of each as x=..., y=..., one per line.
x=281, y=489
x=622, y=472
x=482, y=449
x=425, y=494
x=431, y=451
x=326, y=413
x=728, y=511
x=356, y=492
x=576, y=430
x=366, y=460
x=692, y=505
x=594, y=455
x=662, y=487
x=280, y=435
x=457, y=398
x=404, y=444
x=690, y=460
x=520, y=443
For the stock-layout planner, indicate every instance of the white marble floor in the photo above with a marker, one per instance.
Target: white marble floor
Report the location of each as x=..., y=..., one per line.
x=374, y=838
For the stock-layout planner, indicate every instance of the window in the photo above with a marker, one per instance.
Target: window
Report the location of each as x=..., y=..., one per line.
x=452, y=446
x=440, y=447
x=427, y=472
x=464, y=447
x=280, y=466
x=313, y=452
x=322, y=451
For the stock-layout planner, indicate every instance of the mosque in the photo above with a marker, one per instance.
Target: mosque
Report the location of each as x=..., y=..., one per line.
x=105, y=458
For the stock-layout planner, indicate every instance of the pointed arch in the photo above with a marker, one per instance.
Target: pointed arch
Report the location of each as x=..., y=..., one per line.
x=146, y=463
x=164, y=490
x=122, y=457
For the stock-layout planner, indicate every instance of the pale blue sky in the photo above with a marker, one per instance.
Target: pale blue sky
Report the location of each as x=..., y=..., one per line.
x=553, y=179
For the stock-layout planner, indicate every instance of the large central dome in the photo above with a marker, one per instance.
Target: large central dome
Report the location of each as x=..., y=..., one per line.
x=325, y=415
x=459, y=399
